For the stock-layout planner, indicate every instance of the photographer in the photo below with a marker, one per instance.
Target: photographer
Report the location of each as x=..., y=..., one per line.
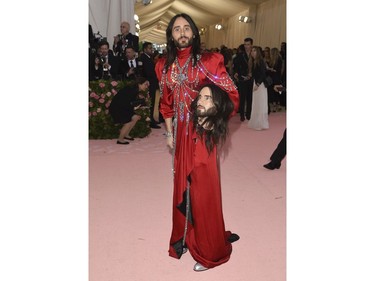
x=123, y=106
x=103, y=64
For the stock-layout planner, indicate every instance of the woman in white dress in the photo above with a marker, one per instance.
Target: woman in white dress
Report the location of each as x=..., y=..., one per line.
x=259, y=111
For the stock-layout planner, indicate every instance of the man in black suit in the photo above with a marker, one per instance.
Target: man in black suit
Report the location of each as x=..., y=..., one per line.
x=103, y=64
x=242, y=76
x=125, y=39
x=130, y=66
x=148, y=71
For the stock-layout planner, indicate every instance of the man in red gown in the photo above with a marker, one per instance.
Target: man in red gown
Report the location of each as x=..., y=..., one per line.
x=197, y=224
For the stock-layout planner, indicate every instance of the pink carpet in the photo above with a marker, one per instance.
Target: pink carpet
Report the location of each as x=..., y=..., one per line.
x=130, y=200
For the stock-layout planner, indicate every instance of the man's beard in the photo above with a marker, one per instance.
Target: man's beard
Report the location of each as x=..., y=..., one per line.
x=185, y=44
x=206, y=113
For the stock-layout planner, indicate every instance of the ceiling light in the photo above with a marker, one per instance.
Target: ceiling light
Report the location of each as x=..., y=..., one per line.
x=136, y=18
x=244, y=19
x=218, y=26
x=202, y=31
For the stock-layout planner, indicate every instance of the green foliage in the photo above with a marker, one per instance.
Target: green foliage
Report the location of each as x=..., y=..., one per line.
x=101, y=125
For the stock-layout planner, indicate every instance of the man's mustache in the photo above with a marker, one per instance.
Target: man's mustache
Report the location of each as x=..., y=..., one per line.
x=183, y=37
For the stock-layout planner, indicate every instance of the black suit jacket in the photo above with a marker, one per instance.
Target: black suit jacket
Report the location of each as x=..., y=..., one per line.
x=132, y=40
x=96, y=74
x=241, y=66
x=259, y=72
x=147, y=70
x=125, y=69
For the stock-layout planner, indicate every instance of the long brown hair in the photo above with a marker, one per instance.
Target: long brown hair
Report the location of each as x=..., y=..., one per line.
x=218, y=122
x=171, y=47
x=258, y=57
x=275, y=56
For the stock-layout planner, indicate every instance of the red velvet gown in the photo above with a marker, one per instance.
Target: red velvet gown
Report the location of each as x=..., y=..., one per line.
x=206, y=237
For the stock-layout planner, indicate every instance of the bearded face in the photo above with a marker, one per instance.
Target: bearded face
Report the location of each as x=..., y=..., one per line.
x=182, y=33
x=203, y=112
x=183, y=42
x=205, y=105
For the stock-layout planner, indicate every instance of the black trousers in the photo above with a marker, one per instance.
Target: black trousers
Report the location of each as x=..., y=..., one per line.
x=280, y=151
x=152, y=94
x=245, y=90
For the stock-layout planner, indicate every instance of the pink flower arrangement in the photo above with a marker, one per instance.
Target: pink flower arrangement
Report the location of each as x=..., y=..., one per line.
x=100, y=96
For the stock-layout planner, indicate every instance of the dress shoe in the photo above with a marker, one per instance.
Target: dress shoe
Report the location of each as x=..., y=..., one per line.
x=272, y=165
x=233, y=238
x=199, y=267
x=154, y=126
x=119, y=142
x=242, y=119
x=129, y=138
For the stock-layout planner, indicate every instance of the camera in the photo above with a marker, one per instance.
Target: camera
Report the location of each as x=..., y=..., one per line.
x=105, y=70
x=102, y=59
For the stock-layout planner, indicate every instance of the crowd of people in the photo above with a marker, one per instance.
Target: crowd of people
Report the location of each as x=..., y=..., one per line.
x=254, y=70
x=200, y=91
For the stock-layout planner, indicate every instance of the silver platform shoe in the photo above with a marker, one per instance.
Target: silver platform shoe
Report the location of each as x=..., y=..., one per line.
x=199, y=267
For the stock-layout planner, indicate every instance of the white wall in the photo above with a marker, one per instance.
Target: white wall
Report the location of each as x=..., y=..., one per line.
x=106, y=16
x=268, y=27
